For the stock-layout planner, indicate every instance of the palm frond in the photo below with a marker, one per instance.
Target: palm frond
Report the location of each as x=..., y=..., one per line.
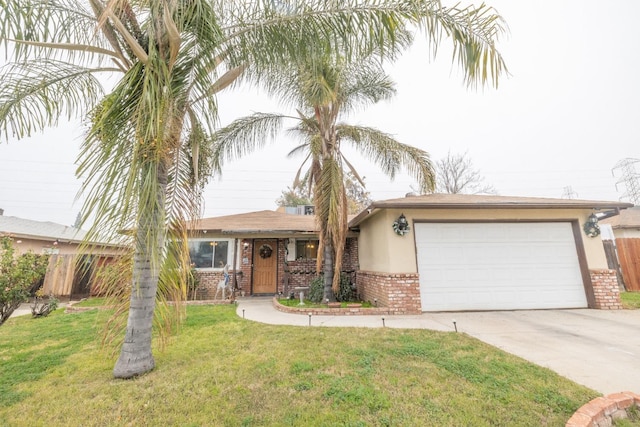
x=389, y=154
x=36, y=94
x=244, y=136
x=331, y=212
x=55, y=21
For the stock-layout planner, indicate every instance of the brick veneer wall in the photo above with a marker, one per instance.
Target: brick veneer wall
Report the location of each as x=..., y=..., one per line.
x=605, y=289
x=291, y=274
x=209, y=279
x=299, y=273
x=398, y=292
x=209, y=283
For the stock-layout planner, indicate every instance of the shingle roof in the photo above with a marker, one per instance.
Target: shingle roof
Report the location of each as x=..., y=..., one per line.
x=469, y=201
x=27, y=228
x=260, y=222
x=628, y=218
x=280, y=223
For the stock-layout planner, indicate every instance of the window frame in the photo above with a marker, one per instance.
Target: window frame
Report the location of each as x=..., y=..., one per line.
x=306, y=242
x=210, y=240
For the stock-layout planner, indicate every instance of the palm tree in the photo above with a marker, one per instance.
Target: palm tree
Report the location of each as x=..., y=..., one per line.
x=326, y=90
x=145, y=155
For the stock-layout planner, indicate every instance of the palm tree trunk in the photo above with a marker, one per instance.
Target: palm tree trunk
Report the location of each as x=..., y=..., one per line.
x=136, y=357
x=328, y=294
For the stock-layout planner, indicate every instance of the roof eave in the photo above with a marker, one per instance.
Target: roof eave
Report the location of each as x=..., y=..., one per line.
x=377, y=206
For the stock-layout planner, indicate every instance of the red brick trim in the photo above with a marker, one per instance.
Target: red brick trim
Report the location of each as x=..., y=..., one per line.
x=603, y=410
x=605, y=289
x=398, y=292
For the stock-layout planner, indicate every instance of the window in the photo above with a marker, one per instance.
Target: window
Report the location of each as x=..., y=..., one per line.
x=306, y=249
x=209, y=253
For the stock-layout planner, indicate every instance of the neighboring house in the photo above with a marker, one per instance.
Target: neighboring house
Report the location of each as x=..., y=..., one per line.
x=474, y=252
x=69, y=273
x=269, y=252
x=626, y=232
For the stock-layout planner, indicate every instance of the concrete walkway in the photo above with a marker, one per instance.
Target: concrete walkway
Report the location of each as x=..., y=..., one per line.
x=597, y=348
x=25, y=308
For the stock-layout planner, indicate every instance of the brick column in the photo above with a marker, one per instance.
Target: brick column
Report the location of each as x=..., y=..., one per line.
x=605, y=289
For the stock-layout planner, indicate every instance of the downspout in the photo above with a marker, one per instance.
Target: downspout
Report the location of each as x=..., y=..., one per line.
x=235, y=265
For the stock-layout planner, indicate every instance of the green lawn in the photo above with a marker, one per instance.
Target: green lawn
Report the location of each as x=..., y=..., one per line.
x=91, y=302
x=630, y=300
x=222, y=370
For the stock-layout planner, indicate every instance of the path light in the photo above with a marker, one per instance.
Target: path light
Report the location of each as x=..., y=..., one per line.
x=309, y=319
x=243, y=313
x=383, y=322
x=454, y=325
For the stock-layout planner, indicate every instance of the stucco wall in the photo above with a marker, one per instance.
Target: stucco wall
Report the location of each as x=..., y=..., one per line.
x=40, y=246
x=382, y=250
x=24, y=245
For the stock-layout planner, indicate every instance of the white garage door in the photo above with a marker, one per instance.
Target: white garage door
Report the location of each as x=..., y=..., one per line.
x=498, y=266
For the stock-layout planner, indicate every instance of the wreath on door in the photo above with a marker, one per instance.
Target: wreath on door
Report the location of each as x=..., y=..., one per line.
x=265, y=251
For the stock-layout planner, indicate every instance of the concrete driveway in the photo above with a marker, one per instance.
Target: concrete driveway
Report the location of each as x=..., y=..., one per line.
x=599, y=349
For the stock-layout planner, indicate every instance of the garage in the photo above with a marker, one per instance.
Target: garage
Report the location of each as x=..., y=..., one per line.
x=498, y=266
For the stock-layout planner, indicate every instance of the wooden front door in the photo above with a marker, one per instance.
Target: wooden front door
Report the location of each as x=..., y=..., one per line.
x=265, y=266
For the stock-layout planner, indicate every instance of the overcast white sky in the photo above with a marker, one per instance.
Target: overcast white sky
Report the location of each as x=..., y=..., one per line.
x=569, y=112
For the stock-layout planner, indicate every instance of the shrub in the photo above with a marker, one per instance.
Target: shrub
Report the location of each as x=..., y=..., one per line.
x=346, y=291
x=316, y=289
x=19, y=276
x=42, y=307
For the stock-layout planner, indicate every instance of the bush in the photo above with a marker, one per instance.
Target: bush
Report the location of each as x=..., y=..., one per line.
x=19, y=276
x=42, y=307
x=316, y=289
x=346, y=292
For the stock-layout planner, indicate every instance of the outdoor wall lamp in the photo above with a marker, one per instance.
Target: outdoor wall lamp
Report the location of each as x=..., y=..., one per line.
x=401, y=225
x=591, y=227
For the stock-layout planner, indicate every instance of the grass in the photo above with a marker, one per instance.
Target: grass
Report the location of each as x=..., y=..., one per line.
x=632, y=420
x=91, y=302
x=222, y=370
x=630, y=300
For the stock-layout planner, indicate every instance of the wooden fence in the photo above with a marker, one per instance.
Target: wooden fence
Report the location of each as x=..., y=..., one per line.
x=59, y=277
x=629, y=258
x=73, y=275
x=612, y=261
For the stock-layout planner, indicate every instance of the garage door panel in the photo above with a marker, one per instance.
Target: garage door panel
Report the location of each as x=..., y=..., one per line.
x=493, y=266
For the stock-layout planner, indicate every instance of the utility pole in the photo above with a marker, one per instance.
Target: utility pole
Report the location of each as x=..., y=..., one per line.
x=629, y=178
x=569, y=193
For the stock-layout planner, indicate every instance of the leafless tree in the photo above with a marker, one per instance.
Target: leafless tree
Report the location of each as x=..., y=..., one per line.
x=455, y=174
